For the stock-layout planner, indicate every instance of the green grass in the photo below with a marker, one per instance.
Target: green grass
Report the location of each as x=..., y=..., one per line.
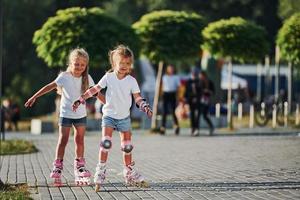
x=11, y=147
x=14, y=192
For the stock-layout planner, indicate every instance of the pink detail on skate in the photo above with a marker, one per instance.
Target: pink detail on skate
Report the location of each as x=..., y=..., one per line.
x=58, y=166
x=79, y=164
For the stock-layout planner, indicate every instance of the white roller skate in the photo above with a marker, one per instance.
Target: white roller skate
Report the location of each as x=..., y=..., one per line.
x=82, y=175
x=133, y=178
x=99, y=176
x=57, y=171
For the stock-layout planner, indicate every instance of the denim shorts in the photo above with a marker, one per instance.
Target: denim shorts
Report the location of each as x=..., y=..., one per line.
x=68, y=122
x=121, y=125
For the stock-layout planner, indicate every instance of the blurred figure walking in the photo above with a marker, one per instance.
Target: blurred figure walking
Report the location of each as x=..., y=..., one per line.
x=170, y=84
x=208, y=90
x=192, y=97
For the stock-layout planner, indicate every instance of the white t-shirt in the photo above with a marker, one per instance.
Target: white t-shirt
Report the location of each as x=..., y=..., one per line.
x=71, y=91
x=118, y=95
x=170, y=83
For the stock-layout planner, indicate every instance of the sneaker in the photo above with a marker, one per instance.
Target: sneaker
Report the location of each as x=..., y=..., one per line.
x=162, y=130
x=211, y=131
x=177, y=130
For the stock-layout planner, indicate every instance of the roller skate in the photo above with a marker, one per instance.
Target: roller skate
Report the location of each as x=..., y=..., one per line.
x=56, y=172
x=82, y=175
x=99, y=176
x=133, y=178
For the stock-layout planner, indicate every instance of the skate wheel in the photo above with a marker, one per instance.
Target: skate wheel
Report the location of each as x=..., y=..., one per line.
x=57, y=182
x=97, y=187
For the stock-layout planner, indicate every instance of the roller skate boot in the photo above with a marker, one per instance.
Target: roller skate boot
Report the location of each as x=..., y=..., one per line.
x=82, y=175
x=133, y=178
x=57, y=171
x=99, y=176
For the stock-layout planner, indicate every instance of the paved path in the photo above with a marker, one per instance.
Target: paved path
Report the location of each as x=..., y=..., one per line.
x=182, y=167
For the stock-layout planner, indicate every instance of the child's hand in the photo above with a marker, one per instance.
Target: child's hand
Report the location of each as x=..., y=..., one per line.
x=149, y=113
x=146, y=108
x=77, y=103
x=30, y=102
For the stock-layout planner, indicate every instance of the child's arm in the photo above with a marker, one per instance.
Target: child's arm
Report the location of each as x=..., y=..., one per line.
x=101, y=98
x=47, y=88
x=142, y=104
x=87, y=94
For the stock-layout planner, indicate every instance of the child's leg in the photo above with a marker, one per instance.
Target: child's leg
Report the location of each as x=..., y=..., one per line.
x=131, y=175
x=105, y=146
x=79, y=141
x=60, y=151
x=126, y=147
x=62, y=141
x=81, y=173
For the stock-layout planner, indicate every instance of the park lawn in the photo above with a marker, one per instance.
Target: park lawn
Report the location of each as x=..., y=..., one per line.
x=11, y=147
x=18, y=191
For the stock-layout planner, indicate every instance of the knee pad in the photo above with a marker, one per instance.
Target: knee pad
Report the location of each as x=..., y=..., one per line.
x=105, y=144
x=126, y=146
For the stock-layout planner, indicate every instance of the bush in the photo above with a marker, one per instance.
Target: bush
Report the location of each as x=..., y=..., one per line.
x=288, y=39
x=170, y=35
x=235, y=37
x=11, y=147
x=91, y=29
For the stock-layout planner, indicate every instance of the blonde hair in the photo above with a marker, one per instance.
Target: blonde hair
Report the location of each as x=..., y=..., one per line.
x=80, y=52
x=120, y=50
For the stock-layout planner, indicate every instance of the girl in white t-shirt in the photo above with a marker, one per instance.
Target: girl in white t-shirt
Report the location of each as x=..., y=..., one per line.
x=70, y=84
x=116, y=113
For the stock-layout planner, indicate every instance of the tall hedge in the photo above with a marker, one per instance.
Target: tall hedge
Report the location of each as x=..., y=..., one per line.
x=91, y=29
x=288, y=39
x=170, y=35
x=236, y=38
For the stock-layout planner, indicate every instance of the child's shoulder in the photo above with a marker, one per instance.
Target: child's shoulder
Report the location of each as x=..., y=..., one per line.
x=64, y=74
x=130, y=77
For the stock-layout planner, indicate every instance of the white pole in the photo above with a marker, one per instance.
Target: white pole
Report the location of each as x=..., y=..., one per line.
x=286, y=109
x=218, y=108
x=251, y=117
x=240, y=111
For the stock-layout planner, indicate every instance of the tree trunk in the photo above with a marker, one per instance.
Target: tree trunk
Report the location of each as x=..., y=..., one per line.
x=258, y=86
x=290, y=86
x=229, y=113
x=277, y=73
x=156, y=94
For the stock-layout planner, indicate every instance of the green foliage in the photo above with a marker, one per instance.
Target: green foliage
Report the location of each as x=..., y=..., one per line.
x=289, y=39
x=288, y=7
x=91, y=29
x=10, y=147
x=236, y=38
x=14, y=192
x=170, y=35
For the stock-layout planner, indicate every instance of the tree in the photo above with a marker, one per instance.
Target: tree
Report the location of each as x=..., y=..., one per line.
x=288, y=39
x=289, y=44
x=236, y=39
x=91, y=29
x=169, y=36
x=288, y=7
